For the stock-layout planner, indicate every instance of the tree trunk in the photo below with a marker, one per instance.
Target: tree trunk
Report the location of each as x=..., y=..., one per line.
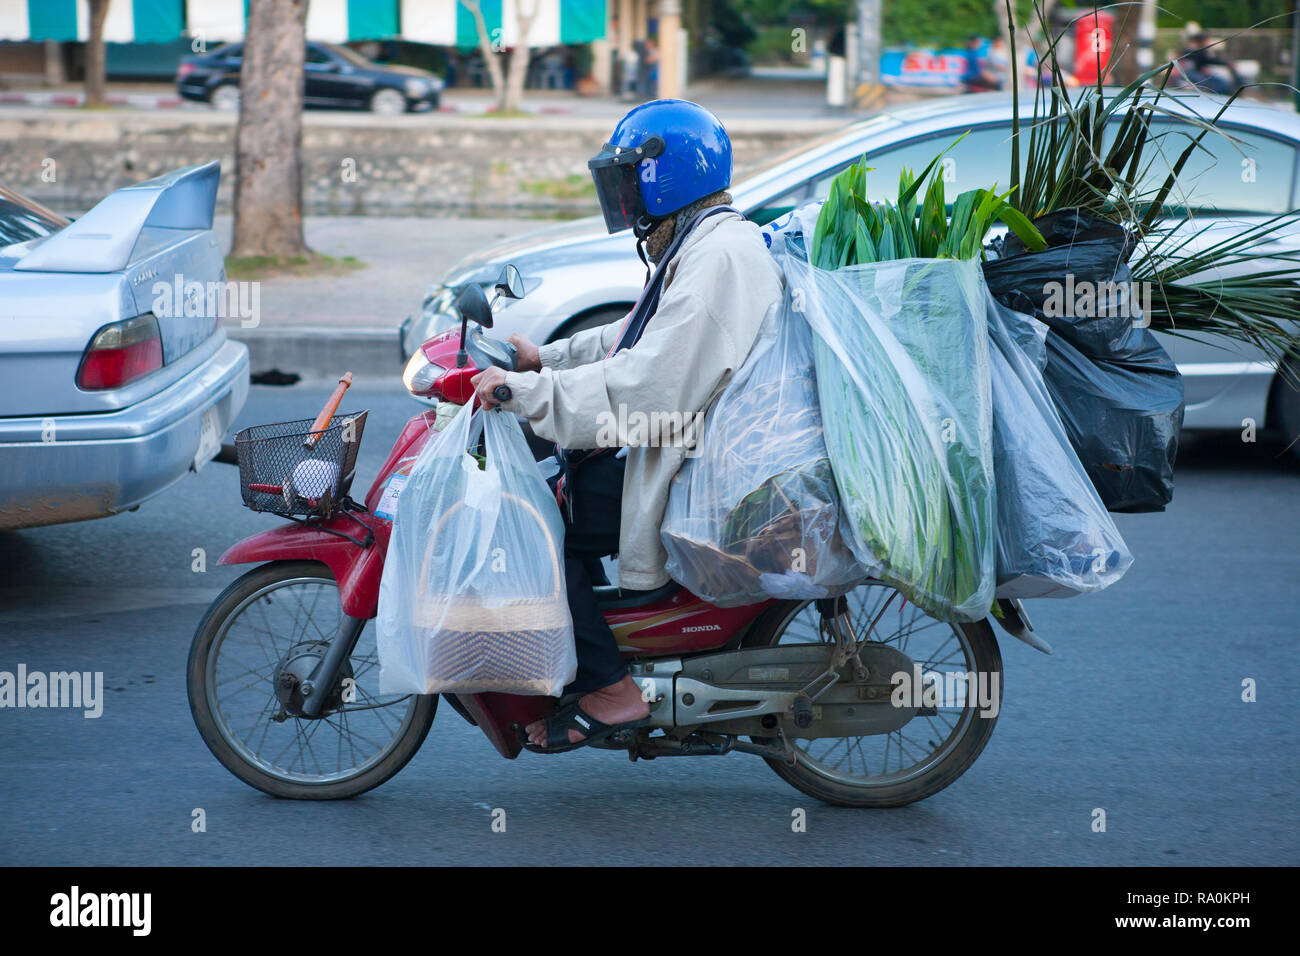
x=96, y=93
x=1123, y=58
x=268, y=138
x=519, y=57
x=489, y=48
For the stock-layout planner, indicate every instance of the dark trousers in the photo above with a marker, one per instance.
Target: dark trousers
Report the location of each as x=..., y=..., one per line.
x=591, y=533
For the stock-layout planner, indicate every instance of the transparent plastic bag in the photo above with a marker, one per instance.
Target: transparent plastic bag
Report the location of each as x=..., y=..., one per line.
x=473, y=597
x=754, y=515
x=1055, y=537
x=901, y=354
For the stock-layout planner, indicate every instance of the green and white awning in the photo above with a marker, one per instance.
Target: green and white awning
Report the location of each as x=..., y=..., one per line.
x=440, y=22
x=334, y=21
x=128, y=21
x=449, y=22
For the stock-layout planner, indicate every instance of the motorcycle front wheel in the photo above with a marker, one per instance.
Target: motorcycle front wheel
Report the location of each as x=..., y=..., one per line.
x=270, y=624
x=926, y=754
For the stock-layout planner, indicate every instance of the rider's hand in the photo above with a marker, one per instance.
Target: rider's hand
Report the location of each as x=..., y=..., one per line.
x=529, y=360
x=483, y=384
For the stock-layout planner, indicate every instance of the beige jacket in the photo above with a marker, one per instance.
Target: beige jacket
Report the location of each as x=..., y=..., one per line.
x=718, y=288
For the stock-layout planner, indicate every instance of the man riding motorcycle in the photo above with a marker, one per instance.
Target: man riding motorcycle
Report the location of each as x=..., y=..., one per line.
x=664, y=175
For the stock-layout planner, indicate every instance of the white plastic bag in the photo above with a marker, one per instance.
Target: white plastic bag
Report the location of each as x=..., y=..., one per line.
x=755, y=514
x=1055, y=537
x=472, y=597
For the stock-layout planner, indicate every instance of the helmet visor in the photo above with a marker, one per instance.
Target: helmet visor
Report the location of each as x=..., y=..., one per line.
x=617, y=187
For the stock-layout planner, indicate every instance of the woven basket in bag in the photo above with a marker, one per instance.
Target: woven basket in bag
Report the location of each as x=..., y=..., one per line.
x=515, y=647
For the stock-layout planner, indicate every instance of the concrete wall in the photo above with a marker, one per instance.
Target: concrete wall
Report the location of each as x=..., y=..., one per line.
x=353, y=163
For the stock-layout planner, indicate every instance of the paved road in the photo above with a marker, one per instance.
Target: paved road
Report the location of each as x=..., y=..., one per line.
x=1139, y=713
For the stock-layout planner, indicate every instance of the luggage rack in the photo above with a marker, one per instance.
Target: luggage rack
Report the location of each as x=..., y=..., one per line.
x=345, y=508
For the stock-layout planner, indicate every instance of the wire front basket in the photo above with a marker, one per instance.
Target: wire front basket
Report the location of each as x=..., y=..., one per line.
x=288, y=469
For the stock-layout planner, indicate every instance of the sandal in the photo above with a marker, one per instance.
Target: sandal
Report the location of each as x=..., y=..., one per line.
x=570, y=716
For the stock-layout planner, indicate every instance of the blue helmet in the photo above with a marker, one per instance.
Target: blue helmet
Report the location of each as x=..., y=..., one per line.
x=663, y=156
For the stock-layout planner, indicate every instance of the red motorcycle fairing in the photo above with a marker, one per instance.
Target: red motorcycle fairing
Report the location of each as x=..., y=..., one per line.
x=496, y=714
x=415, y=434
x=679, y=624
x=454, y=383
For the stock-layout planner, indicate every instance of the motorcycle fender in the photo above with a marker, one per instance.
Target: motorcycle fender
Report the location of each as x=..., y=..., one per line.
x=1012, y=618
x=357, y=570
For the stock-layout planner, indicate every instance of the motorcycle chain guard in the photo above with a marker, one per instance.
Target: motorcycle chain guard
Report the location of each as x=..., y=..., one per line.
x=753, y=692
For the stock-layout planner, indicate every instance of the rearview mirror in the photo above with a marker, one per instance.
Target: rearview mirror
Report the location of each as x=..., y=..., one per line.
x=473, y=306
x=511, y=283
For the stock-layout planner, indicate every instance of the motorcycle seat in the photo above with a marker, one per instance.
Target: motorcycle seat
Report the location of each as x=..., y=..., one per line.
x=609, y=597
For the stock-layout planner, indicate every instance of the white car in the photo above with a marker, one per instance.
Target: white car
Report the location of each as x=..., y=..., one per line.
x=577, y=276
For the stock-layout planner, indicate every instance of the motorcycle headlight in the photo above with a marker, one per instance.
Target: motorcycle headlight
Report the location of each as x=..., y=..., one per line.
x=420, y=374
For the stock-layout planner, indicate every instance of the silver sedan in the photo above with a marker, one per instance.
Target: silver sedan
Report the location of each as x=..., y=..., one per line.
x=116, y=377
x=577, y=276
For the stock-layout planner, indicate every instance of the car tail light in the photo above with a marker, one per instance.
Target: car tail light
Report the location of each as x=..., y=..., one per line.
x=185, y=69
x=121, y=353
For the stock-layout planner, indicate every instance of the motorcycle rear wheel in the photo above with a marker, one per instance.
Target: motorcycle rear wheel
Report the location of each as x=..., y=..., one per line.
x=953, y=737
x=280, y=610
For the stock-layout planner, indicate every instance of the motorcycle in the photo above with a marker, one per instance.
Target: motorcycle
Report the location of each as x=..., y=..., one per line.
x=860, y=700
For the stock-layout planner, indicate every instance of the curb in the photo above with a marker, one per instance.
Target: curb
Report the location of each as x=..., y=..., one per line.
x=147, y=101
x=163, y=101
x=322, y=351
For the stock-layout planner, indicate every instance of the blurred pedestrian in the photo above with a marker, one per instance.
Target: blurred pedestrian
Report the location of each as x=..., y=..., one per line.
x=1204, y=69
x=651, y=68
x=998, y=71
x=628, y=63
x=975, y=78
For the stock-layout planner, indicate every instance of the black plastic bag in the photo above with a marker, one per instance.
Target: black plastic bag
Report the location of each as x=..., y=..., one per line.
x=1123, y=419
x=1118, y=392
x=1082, y=250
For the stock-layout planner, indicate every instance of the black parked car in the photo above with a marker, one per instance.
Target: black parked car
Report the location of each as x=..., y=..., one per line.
x=334, y=77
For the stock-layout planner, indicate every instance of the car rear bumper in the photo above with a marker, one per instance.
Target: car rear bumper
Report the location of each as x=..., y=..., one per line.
x=73, y=467
x=198, y=92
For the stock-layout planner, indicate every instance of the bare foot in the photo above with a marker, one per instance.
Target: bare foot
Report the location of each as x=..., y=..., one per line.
x=616, y=704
